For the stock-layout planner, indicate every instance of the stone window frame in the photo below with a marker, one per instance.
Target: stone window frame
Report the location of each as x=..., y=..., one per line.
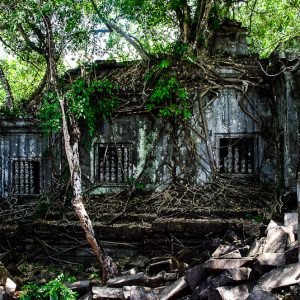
x=96, y=167
x=26, y=159
x=254, y=136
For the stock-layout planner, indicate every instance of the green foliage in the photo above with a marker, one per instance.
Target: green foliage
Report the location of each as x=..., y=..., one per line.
x=91, y=100
x=53, y=290
x=270, y=22
x=258, y=218
x=135, y=184
x=50, y=113
x=42, y=208
x=88, y=100
x=23, y=79
x=168, y=96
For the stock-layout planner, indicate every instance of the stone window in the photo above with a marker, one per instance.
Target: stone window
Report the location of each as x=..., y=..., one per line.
x=113, y=163
x=26, y=177
x=237, y=155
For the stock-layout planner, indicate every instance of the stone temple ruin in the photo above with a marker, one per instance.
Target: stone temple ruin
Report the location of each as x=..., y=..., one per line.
x=245, y=129
x=251, y=131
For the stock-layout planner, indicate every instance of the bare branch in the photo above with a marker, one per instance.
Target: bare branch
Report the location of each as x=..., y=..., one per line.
x=31, y=44
x=113, y=27
x=9, y=99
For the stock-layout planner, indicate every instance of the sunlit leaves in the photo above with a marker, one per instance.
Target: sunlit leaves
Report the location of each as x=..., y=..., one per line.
x=270, y=22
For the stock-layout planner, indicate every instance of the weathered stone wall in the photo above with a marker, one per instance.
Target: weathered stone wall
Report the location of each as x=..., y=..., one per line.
x=25, y=168
x=161, y=150
x=226, y=119
x=287, y=97
x=130, y=138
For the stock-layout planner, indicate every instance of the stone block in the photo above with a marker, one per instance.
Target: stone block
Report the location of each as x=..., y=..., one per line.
x=194, y=276
x=107, y=293
x=239, y=292
x=291, y=221
x=231, y=276
x=134, y=279
x=291, y=254
x=233, y=254
x=222, y=250
x=257, y=247
x=141, y=293
x=276, y=241
x=10, y=286
x=226, y=263
x=271, y=259
x=257, y=294
x=282, y=276
x=172, y=290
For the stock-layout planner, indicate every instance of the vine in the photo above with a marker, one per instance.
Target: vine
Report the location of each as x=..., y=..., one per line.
x=169, y=97
x=88, y=100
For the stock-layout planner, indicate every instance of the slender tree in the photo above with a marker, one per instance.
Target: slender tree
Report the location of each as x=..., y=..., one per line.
x=9, y=99
x=44, y=31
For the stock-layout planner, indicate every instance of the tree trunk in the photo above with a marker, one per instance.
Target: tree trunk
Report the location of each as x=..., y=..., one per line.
x=71, y=135
x=9, y=100
x=72, y=153
x=186, y=23
x=204, y=7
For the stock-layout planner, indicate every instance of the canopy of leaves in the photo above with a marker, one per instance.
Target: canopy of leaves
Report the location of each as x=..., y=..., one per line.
x=23, y=78
x=158, y=26
x=270, y=22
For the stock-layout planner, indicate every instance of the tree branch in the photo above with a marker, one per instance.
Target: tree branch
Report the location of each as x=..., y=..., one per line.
x=31, y=44
x=9, y=99
x=113, y=27
x=37, y=91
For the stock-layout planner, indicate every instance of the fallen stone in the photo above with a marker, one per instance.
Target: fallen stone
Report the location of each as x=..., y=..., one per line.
x=231, y=276
x=289, y=230
x=257, y=247
x=134, y=279
x=272, y=225
x=10, y=286
x=107, y=293
x=261, y=295
x=226, y=263
x=222, y=250
x=194, y=276
x=291, y=255
x=282, y=276
x=173, y=289
x=291, y=221
x=137, y=293
x=201, y=293
x=204, y=289
x=239, y=292
x=140, y=293
x=276, y=240
x=233, y=254
x=157, y=267
x=127, y=291
x=161, y=278
x=271, y=259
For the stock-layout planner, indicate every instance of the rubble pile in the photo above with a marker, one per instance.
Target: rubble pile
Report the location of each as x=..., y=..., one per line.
x=234, y=271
